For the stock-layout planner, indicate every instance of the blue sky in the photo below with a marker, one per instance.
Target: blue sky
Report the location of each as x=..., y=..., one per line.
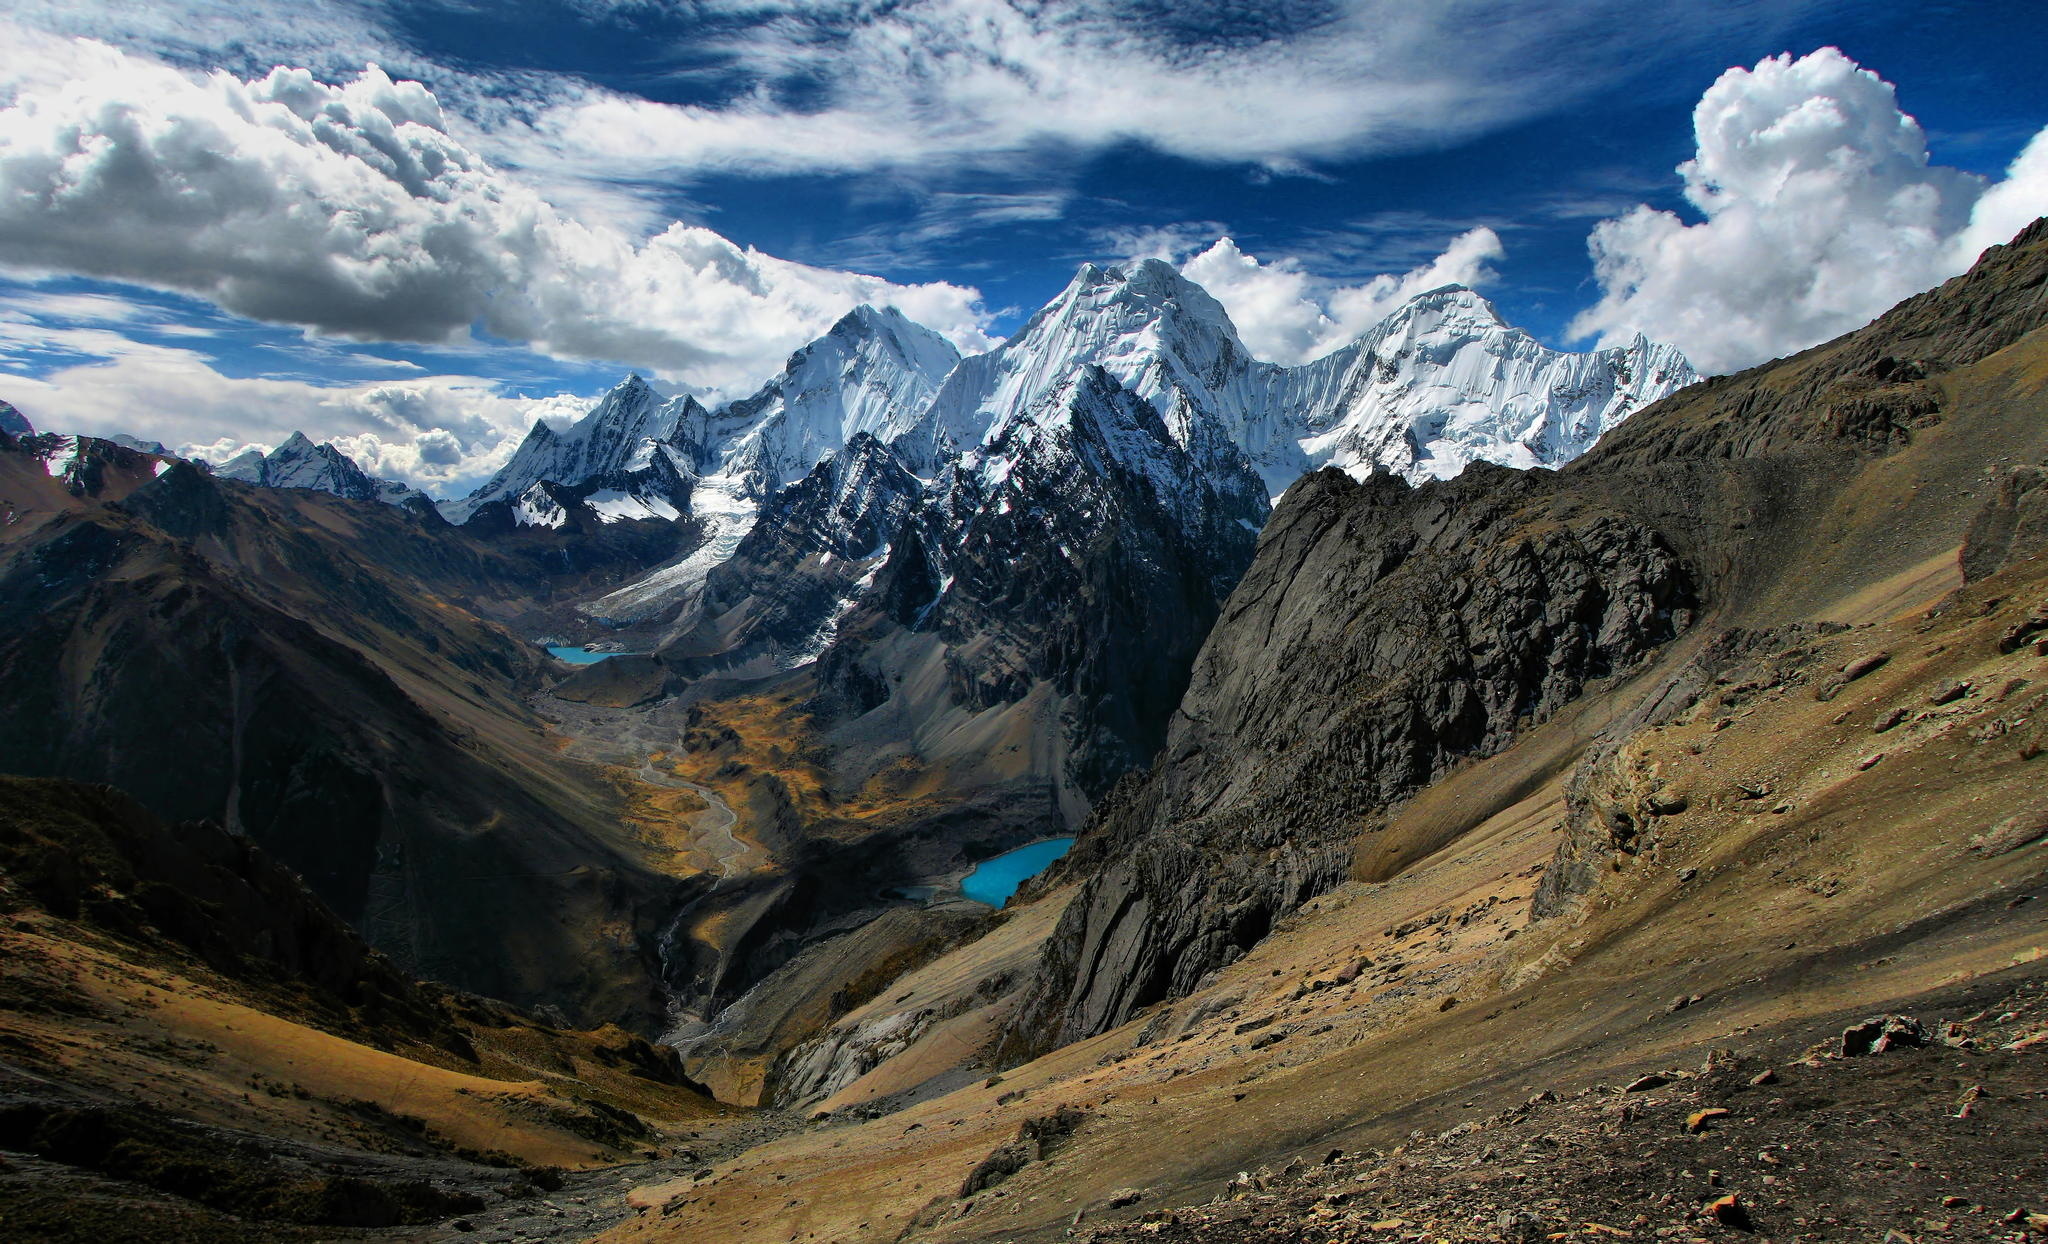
x=524, y=200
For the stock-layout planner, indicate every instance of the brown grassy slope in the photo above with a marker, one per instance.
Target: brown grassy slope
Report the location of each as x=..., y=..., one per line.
x=179, y=1016
x=1864, y=893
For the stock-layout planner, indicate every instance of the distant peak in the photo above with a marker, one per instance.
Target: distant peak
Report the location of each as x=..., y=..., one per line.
x=297, y=442
x=13, y=422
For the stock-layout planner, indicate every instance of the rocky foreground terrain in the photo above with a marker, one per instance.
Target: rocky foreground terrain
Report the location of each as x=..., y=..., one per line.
x=1902, y=1127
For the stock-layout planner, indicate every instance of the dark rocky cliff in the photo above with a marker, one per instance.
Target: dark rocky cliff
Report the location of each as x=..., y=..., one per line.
x=1385, y=634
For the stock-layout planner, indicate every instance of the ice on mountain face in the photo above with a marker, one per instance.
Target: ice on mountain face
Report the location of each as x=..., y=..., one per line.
x=246, y=466
x=299, y=463
x=872, y=373
x=612, y=505
x=59, y=456
x=727, y=514
x=1439, y=384
x=537, y=507
x=623, y=433
x=1443, y=382
x=1157, y=333
x=814, y=647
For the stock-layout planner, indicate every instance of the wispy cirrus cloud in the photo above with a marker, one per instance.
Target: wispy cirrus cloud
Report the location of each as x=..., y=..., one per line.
x=852, y=86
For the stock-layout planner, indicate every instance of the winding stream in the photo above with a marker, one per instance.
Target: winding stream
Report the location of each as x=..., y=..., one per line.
x=627, y=740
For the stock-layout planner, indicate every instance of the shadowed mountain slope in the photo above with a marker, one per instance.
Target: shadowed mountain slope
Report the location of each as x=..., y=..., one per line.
x=314, y=673
x=155, y=974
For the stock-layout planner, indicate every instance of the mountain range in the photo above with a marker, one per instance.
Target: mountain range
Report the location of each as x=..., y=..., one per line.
x=1507, y=790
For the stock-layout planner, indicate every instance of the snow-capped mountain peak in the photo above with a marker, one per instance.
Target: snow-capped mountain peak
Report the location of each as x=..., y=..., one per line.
x=1443, y=382
x=300, y=463
x=625, y=432
x=872, y=372
x=1158, y=333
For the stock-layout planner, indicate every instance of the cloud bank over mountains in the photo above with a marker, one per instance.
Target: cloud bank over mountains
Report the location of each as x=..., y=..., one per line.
x=1821, y=209
x=351, y=210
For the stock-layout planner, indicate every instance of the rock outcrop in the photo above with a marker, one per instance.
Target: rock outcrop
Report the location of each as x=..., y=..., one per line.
x=1383, y=634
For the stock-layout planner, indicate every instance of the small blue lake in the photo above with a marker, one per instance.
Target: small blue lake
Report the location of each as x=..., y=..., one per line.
x=580, y=656
x=994, y=881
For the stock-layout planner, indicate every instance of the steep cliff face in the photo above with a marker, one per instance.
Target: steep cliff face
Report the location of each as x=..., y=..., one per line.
x=1385, y=633
x=776, y=603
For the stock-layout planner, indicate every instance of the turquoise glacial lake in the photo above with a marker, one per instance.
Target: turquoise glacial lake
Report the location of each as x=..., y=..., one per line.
x=994, y=881
x=580, y=656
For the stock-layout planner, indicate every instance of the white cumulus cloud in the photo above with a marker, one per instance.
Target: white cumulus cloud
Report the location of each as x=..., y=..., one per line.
x=352, y=210
x=1287, y=315
x=1821, y=209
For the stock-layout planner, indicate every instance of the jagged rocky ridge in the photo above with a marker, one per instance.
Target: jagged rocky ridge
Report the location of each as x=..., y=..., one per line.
x=1386, y=633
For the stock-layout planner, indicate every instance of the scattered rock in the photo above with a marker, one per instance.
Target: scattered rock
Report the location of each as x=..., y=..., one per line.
x=1687, y=874
x=1761, y=1078
x=2012, y=833
x=1882, y=1033
x=1667, y=803
x=1949, y=693
x=1887, y=721
x=1036, y=1139
x=1698, y=1119
x=1123, y=1197
x=1729, y=1212
x=1864, y=665
x=1869, y=761
x=1644, y=1083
